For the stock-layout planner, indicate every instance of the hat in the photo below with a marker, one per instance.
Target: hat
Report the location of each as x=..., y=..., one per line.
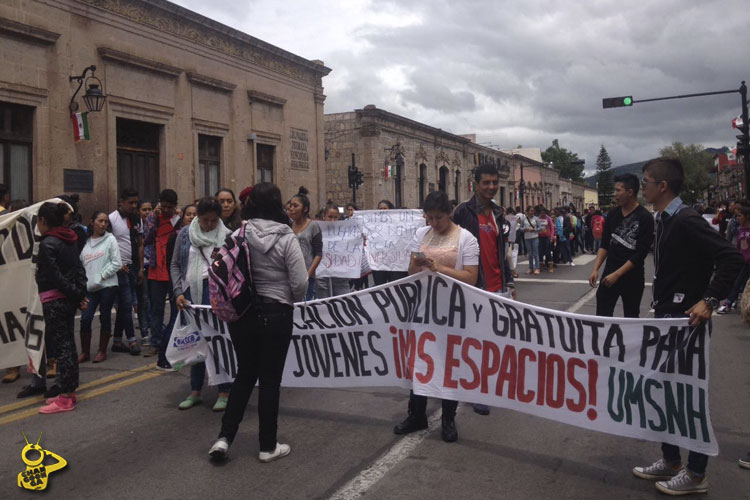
x=245, y=194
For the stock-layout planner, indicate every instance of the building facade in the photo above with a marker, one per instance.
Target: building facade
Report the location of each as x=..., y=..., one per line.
x=191, y=104
x=403, y=160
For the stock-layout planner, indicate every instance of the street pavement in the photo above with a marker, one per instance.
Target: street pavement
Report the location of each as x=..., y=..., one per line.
x=127, y=439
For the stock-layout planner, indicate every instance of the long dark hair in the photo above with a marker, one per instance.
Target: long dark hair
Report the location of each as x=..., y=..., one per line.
x=265, y=202
x=90, y=227
x=302, y=197
x=53, y=213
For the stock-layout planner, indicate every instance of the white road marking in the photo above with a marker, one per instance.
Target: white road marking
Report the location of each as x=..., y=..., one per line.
x=363, y=481
x=375, y=472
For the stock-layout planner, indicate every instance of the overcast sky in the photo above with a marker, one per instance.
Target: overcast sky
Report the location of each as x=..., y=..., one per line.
x=522, y=71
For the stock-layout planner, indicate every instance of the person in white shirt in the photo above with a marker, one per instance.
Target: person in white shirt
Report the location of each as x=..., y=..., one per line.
x=442, y=247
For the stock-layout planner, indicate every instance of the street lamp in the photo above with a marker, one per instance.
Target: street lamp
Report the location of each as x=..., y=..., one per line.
x=94, y=96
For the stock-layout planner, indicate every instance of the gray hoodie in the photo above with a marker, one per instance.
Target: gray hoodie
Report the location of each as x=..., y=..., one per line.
x=279, y=268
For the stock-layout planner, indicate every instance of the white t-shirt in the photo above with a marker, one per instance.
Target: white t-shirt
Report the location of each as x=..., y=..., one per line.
x=203, y=261
x=468, y=247
x=121, y=231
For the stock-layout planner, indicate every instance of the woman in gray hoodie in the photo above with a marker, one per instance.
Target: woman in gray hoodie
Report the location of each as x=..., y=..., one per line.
x=261, y=338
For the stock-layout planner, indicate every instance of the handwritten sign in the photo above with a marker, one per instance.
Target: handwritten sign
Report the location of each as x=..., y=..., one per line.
x=342, y=249
x=389, y=235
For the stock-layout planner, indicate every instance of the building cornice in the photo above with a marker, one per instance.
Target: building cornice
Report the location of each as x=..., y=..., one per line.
x=139, y=62
x=178, y=21
x=255, y=96
x=212, y=83
x=27, y=32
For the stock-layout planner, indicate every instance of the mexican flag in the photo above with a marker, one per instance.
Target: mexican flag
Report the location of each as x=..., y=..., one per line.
x=80, y=126
x=390, y=171
x=737, y=122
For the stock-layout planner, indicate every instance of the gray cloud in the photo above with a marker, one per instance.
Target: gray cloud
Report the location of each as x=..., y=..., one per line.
x=523, y=72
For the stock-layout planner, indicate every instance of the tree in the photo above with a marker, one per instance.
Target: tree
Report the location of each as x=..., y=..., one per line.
x=605, y=178
x=696, y=162
x=566, y=162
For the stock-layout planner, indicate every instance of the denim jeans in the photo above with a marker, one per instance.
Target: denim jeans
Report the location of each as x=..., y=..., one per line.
x=159, y=291
x=565, y=255
x=144, y=305
x=545, y=251
x=331, y=287
x=124, y=319
x=739, y=284
x=104, y=299
x=261, y=340
x=597, y=244
x=310, y=294
x=532, y=246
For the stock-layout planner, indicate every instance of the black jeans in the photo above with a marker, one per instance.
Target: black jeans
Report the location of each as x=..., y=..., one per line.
x=418, y=406
x=261, y=340
x=383, y=277
x=697, y=462
x=59, y=318
x=629, y=287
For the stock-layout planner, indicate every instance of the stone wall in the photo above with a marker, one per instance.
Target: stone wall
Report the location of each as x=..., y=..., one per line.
x=164, y=65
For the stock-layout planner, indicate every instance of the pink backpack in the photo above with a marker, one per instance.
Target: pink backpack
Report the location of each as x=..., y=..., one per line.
x=230, y=280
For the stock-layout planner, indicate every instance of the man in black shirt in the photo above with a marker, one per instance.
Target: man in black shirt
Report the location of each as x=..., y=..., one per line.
x=695, y=268
x=626, y=240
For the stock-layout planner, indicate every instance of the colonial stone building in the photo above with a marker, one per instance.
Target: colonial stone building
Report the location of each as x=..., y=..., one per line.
x=403, y=160
x=191, y=104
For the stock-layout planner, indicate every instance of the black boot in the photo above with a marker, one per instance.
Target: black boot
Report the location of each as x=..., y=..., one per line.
x=450, y=434
x=417, y=419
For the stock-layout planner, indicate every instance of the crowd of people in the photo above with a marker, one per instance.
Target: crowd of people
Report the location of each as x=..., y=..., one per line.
x=146, y=254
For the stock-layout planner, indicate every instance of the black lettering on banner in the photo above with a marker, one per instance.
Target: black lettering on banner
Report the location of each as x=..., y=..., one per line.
x=299, y=371
x=23, y=253
x=12, y=324
x=34, y=332
x=3, y=236
x=379, y=370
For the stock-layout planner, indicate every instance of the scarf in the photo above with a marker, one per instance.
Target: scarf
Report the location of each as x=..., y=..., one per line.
x=63, y=233
x=200, y=240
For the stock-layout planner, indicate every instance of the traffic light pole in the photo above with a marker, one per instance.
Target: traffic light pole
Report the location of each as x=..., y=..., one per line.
x=743, y=146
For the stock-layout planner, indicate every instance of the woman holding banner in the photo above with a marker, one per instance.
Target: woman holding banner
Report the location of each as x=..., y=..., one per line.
x=262, y=336
x=194, y=251
x=331, y=287
x=101, y=259
x=445, y=248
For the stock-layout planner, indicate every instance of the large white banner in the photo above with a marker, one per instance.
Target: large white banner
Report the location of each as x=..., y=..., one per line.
x=21, y=320
x=389, y=234
x=641, y=378
x=342, y=249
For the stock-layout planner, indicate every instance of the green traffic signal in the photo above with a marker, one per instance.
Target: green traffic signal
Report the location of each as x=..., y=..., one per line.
x=617, y=102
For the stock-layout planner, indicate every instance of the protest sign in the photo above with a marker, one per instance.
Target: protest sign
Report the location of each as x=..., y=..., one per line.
x=21, y=319
x=389, y=235
x=342, y=249
x=642, y=378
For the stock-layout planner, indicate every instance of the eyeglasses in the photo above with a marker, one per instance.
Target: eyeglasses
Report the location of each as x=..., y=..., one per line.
x=644, y=182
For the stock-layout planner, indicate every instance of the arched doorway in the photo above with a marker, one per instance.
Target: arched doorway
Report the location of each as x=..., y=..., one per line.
x=443, y=179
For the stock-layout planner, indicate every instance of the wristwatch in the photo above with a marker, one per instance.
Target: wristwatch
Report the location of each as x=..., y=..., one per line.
x=712, y=302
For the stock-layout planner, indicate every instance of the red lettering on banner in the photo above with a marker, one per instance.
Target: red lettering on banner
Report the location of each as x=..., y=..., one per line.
x=555, y=380
x=489, y=366
x=524, y=396
x=507, y=373
x=541, y=378
x=470, y=342
x=451, y=362
x=407, y=347
x=427, y=376
x=580, y=404
x=396, y=360
x=593, y=376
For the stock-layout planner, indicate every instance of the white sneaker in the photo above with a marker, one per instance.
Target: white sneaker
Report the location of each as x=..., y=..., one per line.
x=658, y=471
x=220, y=449
x=573, y=264
x=725, y=308
x=683, y=484
x=281, y=450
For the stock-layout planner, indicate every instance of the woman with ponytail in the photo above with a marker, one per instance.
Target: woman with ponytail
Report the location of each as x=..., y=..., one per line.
x=309, y=235
x=61, y=281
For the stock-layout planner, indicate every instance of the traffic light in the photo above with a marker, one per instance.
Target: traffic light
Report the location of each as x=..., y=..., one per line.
x=743, y=143
x=617, y=102
x=352, y=176
x=359, y=178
